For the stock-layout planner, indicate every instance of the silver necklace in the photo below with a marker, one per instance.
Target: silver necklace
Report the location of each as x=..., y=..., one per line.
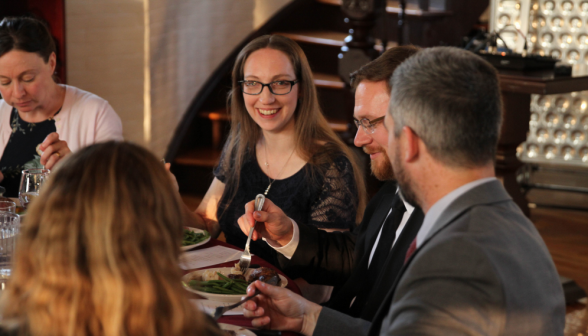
x=267, y=168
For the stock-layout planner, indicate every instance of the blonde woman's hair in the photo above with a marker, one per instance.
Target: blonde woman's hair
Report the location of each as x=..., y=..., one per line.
x=311, y=127
x=98, y=254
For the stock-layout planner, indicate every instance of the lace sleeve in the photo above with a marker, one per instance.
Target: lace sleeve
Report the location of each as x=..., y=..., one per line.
x=336, y=206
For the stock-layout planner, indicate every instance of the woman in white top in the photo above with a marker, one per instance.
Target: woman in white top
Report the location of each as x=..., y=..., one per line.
x=42, y=121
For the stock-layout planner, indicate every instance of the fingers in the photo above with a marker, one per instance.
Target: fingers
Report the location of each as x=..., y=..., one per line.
x=50, y=139
x=53, y=150
x=263, y=321
x=269, y=206
x=269, y=291
x=249, y=208
x=251, y=309
x=245, y=227
x=246, y=221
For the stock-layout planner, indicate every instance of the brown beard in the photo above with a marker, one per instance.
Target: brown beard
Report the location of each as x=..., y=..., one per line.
x=381, y=170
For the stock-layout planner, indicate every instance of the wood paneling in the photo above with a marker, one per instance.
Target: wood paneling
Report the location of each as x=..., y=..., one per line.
x=565, y=233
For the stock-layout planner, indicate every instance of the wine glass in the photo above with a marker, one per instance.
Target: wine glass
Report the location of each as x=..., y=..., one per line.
x=30, y=184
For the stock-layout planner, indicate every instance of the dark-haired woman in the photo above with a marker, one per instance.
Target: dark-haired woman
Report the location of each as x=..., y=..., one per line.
x=281, y=145
x=42, y=121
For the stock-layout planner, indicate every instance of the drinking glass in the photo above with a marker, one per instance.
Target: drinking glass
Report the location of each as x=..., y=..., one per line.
x=9, y=228
x=8, y=206
x=31, y=183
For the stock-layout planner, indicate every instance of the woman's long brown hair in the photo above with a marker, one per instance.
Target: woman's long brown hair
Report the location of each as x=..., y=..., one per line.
x=98, y=252
x=311, y=128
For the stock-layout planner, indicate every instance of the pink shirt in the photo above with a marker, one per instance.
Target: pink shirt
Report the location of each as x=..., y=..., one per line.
x=84, y=119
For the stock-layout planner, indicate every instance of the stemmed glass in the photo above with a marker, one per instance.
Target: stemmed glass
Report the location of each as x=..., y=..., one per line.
x=30, y=184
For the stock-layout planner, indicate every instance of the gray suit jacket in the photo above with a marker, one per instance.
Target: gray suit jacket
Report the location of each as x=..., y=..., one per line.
x=482, y=270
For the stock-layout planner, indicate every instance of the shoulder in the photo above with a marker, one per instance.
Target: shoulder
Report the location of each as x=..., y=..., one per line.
x=493, y=234
x=329, y=157
x=84, y=101
x=4, y=107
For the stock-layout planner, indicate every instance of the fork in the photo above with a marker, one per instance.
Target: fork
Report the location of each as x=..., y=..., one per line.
x=245, y=260
x=219, y=311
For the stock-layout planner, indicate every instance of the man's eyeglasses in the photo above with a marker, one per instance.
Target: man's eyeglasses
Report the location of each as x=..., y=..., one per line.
x=368, y=126
x=278, y=87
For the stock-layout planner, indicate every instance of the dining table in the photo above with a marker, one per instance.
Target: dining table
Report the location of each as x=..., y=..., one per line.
x=240, y=320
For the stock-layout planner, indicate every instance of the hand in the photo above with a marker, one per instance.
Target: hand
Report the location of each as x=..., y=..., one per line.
x=273, y=224
x=172, y=177
x=53, y=150
x=278, y=308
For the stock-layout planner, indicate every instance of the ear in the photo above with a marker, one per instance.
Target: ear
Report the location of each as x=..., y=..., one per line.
x=52, y=62
x=411, y=144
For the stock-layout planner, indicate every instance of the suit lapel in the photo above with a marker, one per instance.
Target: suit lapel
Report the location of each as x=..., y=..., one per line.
x=394, y=263
x=487, y=193
x=378, y=220
x=351, y=288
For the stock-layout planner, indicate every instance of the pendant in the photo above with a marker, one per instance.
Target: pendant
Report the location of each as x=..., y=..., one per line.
x=267, y=190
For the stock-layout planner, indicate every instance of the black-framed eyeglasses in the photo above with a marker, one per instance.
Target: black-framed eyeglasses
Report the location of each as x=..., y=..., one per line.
x=281, y=87
x=368, y=126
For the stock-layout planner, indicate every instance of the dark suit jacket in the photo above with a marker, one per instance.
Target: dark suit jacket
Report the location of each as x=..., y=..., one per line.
x=483, y=269
x=341, y=258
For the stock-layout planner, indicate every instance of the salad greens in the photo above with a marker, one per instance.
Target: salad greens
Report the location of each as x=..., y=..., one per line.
x=192, y=238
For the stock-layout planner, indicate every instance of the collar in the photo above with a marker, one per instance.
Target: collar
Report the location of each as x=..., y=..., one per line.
x=409, y=207
x=437, y=209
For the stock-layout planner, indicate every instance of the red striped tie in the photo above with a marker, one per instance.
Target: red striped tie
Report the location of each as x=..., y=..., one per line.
x=410, y=251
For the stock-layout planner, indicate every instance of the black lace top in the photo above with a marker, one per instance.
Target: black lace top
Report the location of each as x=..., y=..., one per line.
x=327, y=200
x=20, y=152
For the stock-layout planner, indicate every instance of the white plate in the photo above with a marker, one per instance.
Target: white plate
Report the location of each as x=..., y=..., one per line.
x=187, y=247
x=197, y=275
x=240, y=331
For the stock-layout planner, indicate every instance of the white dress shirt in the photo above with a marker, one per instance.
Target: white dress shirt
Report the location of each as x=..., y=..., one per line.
x=289, y=249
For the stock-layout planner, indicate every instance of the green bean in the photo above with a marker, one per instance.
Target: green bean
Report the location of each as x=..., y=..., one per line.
x=227, y=291
x=224, y=286
x=223, y=277
x=192, y=238
x=241, y=287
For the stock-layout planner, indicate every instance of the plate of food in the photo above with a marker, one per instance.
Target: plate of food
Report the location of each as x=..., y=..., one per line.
x=227, y=284
x=194, y=237
x=235, y=330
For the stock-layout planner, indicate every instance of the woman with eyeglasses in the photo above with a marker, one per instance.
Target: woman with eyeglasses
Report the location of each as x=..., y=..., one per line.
x=280, y=145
